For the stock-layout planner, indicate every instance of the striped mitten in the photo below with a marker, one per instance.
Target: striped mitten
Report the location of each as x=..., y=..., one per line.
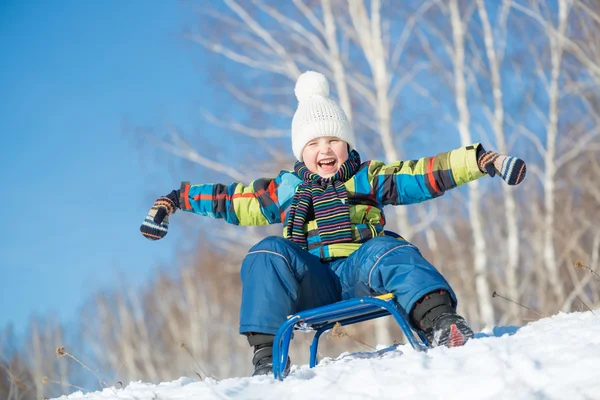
x=156, y=224
x=511, y=169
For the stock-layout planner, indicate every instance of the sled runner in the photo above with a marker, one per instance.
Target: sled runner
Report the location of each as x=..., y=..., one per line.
x=346, y=312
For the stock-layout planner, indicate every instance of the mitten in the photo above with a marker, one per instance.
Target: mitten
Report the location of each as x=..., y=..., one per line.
x=511, y=169
x=156, y=224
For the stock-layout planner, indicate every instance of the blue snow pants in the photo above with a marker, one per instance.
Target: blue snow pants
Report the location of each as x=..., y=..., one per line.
x=279, y=278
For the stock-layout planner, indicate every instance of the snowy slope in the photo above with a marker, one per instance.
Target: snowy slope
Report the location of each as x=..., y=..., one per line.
x=553, y=358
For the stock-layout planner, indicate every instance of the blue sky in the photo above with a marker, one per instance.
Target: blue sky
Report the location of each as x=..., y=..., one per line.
x=74, y=184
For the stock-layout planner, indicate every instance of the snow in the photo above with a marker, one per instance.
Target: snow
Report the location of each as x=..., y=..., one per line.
x=553, y=358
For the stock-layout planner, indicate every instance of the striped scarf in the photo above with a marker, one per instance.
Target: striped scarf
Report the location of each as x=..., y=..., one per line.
x=329, y=199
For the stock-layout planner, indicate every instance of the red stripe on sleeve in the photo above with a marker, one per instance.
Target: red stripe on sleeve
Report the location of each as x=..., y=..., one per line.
x=432, y=181
x=273, y=192
x=186, y=197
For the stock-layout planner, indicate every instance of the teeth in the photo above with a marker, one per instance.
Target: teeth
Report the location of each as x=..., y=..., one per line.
x=327, y=162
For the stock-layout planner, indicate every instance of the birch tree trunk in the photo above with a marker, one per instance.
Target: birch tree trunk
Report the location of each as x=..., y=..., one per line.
x=369, y=32
x=38, y=362
x=370, y=36
x=556, y=51
x=512, y=244
x=475, y=217
x=337, y=66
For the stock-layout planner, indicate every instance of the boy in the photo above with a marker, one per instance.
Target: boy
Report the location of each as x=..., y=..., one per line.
x=334, y=246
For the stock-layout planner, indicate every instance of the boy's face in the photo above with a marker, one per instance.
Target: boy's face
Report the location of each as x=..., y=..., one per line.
x=325, y=155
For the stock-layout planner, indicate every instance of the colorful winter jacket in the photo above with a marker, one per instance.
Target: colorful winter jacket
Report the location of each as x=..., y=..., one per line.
x=375, y=185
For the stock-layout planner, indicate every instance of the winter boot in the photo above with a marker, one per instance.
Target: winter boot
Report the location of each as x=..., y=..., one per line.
x=263, y=354
x=439, y=321
x=450, y=330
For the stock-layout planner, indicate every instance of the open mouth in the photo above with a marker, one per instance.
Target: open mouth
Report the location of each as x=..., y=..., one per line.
x=328, y=163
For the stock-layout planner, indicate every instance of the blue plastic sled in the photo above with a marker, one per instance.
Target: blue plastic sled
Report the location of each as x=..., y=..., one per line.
x=346, y=312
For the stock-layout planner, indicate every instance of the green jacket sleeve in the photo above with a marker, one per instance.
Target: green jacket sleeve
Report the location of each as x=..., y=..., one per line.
x=236, y=203
x=408, y=182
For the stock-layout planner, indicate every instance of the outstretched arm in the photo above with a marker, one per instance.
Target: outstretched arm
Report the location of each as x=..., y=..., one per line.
x=255, y=204
x=238, y=204
x=408, y=182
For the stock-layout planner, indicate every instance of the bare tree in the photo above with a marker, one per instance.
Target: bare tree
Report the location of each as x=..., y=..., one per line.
x=495, y=54
x=456, y=76
x=464, y=122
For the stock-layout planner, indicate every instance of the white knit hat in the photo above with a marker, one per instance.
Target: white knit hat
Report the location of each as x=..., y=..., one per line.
x=317, y=115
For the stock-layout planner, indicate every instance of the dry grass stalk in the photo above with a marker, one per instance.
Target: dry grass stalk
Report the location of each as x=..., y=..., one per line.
x=48, y=380
x=586, y=306
x=62, y=352
x=541, y=315
x=338, y=332
x=580, y=265
x=184, y=346
x=117, y=373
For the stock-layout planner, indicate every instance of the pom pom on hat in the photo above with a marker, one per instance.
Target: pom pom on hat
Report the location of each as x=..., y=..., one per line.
x=317, y=114
x=311, y=84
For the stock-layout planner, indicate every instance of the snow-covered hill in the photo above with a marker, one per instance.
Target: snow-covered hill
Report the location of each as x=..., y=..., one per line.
x=553, y=358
